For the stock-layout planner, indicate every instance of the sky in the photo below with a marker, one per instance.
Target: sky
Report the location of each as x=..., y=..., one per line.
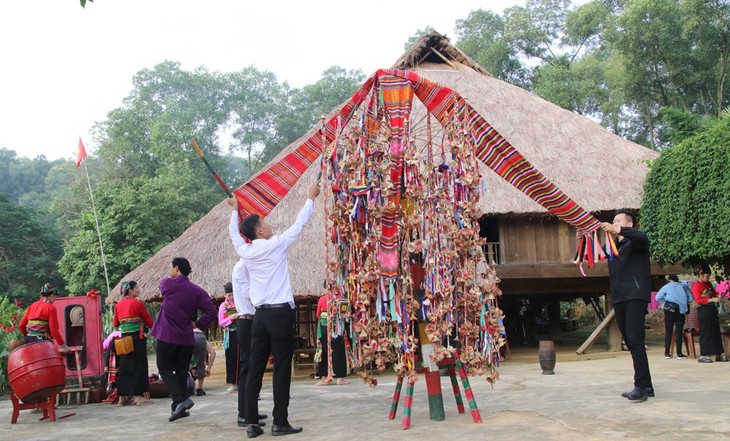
x=66, y=67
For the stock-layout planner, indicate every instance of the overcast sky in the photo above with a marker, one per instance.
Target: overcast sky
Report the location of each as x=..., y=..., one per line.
x=66, y=67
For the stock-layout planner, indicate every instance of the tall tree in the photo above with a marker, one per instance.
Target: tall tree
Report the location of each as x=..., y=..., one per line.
x=565, y=43
x=307, y=105
x=708, y=26
x=255, y=99
x=148, y=183
x=676, y=55
x=481, y=36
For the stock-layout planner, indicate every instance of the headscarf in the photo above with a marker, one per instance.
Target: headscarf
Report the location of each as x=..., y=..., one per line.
x=48, y=290
x=126, y=285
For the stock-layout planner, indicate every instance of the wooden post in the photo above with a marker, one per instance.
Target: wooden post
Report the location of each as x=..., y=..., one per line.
x=613, y=340
x=435, y=398
x=554, y=319
x=596, y=332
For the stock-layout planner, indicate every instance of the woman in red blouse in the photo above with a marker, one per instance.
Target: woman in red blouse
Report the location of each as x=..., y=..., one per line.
x=339, y=359
x=705, y=297
x=130, y=316
x=40, y=321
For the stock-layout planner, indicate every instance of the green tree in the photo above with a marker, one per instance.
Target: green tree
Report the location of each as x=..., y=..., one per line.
x=148, y=183
x=308, y=105
x=137, y=217
x=23, y=180
x=255, y=98
x=686, y=207
x=28, y=253
x=675, y=54
x=481, y=36
x=707, y=25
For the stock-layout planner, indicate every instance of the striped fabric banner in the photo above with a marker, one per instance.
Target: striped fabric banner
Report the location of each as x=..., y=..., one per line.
x=265, y=190
x=262, y=193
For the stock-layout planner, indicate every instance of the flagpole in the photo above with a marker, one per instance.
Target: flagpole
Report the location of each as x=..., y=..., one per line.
x=98, y=231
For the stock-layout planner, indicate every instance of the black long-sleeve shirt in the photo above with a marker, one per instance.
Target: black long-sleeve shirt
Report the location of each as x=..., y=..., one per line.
x=630, y=272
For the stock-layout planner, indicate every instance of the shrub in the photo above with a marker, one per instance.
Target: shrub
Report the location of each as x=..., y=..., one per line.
x=10, y=314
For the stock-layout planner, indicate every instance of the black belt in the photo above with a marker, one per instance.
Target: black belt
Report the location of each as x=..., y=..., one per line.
x=274, y=305
x=245, y=316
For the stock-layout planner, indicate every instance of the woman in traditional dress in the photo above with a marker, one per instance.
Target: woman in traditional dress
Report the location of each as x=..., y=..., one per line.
x=337, y=342
x=228, y=320
x=40, y=321
x=705, y=299
x=130, y=316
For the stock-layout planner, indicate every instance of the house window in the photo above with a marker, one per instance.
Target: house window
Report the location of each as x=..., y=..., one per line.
x=489, y=229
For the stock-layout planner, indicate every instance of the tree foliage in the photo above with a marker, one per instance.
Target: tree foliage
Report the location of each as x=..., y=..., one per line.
x=28, y=252
x=686, y=207
x=307, y=106
x=618, y=62
x=481, y=35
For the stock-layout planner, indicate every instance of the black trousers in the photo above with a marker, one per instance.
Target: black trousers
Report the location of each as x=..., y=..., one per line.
x=272, y=332
x=173, y=362
x=132, y=372
x=244, y=354
x=339, y=362
x=673, y=323
x=232, y=358
x=630, y=318
x=710, y=338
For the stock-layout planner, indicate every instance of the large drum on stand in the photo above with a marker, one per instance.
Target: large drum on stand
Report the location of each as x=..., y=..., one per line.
x=36, y=371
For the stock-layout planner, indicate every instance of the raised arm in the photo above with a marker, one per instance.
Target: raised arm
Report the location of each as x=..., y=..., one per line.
x=236, y=239
x=290, y=235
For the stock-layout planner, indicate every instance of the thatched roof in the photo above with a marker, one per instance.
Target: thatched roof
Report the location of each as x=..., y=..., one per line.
x=596, y=168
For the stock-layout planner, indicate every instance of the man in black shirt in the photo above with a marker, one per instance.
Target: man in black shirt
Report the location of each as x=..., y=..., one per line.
x=630, y=277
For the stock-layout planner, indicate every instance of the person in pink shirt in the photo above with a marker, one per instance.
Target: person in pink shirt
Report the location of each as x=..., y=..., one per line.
x=228, y=321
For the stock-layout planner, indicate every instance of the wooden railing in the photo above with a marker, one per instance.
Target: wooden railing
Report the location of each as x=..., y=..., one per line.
x=491, y=252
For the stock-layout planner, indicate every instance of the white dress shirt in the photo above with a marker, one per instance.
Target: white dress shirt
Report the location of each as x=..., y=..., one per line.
x=239, y=276
x=241, y=286
x=267, y=263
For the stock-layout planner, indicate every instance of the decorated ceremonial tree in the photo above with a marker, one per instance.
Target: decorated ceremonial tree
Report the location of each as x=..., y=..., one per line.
x=403, y=239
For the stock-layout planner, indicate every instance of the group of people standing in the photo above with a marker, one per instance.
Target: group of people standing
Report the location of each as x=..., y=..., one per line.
x=675, y=298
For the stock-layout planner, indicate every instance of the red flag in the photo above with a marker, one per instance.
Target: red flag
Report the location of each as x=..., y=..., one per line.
x=81, y=154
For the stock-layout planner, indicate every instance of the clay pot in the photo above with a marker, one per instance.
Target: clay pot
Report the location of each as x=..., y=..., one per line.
x=547, y=357
x=158, y=389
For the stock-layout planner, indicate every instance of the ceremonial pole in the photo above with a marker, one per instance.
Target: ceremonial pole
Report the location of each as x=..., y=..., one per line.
x=80, y=159
x=210, y=168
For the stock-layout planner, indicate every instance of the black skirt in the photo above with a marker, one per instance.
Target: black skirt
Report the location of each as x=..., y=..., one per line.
x=132, y=370
x=339, y=362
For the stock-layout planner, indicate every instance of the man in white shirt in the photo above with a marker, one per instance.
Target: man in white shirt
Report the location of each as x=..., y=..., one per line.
x=245, y=309
x=272, y=331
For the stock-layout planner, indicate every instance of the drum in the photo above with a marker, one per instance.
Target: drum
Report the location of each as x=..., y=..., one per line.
x=35, y=371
